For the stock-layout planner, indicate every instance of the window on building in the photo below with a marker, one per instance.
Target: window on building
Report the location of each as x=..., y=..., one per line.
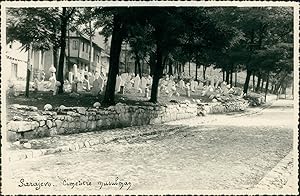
x=75, y=45
x=14, y=70
x=83, y=46
x=98, y=58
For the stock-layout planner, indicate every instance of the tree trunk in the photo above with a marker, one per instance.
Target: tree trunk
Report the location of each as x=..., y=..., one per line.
x=139, y=67
x=189, y=67
x=204, y=70
x=63, y=29
x=91, y=46
x=125, y=58
x=262, y=85
x=152, y=63
x=28, y=71
x=227, y=76
x=68, y=48
x=170, y=68
x=164, y=62
x=223, y=74
x=246, y=84
x=143, y=66
x=258, y=82
x=54, y=54
x=267, y=86
x=235, y=79
x=253, y=81
x=231, y=73
x=135, y=68
x=183, y=67
x=157, y=73
x=196, y=75
x=115, y=49
x=272, y=88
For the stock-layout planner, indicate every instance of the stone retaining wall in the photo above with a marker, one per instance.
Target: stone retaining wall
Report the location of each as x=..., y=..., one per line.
x=28, y=122
x=219, y=108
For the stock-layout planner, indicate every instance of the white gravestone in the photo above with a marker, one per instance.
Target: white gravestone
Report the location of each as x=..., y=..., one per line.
x=188, y=90
x=200, y=85
x=96, y=87
x=150, y=79
x=70, y=77
x=118, y=84
x=101, y=83
x=52, y=79
x=80, y=87
x=76, y=74
x=91, y=78
x=137, y=81
x=143, y=83
x=212, y=80
x=181, y=84
x=193, y=83
x=86, y=84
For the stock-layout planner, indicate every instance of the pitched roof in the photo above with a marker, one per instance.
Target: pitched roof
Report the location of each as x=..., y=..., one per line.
x=97, y=39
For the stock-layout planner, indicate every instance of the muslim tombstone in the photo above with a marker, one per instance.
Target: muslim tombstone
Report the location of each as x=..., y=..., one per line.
x=181, y=84
x=70, y=77
x=96, y=87
x=91, y=78
x=143, y=83
x=118, y=84
x=137, y=81
x=193, y=85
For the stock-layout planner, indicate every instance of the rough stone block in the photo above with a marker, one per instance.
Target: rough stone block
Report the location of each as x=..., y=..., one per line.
x=93, y=125
x=49, y=123
x=58, y=123
x=65, y=124
x=80, y=144
x=87, y=144
x=84, y=118
x=22, y=126
x=83, y=125
x=53, y=131
x=61, y=130
x=71, y=125
x=99, y=123
x=12, y=136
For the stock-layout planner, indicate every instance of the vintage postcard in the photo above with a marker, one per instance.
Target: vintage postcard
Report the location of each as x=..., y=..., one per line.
x=134, y=97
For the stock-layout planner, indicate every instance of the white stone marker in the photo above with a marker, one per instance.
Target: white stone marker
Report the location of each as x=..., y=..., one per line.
x=118, y=83
x=137, y=81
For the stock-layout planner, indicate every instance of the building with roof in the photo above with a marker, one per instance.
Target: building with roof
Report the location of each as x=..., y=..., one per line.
x=77, y=52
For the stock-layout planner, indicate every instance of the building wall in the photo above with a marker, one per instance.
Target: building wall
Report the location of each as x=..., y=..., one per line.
x=15, y=64
x=104, y=64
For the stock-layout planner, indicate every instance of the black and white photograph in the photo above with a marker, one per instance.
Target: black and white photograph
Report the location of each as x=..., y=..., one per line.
x=139, y=97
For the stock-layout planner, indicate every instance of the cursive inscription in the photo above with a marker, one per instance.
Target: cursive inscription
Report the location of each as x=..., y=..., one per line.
x=76, y=183
x=36, y=184
x=117, y=183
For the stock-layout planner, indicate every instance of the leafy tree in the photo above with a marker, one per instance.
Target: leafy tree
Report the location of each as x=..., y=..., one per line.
x=65, y=18
x=116, y=23
x=34, y=29
x=141, y=44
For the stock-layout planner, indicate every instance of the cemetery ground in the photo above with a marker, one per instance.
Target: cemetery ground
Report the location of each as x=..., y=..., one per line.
x=215, y=152
x=86, y=99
